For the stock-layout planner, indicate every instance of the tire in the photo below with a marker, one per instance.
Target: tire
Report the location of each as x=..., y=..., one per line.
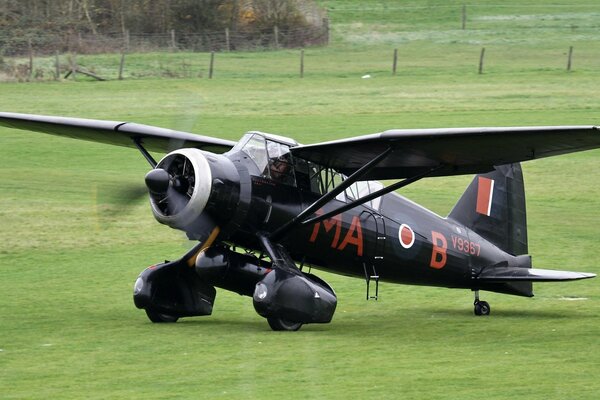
x=160, y=318
x=278, y=324
x=482, y=308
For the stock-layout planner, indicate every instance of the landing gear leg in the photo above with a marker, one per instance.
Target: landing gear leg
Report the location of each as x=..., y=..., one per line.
x=481, y=307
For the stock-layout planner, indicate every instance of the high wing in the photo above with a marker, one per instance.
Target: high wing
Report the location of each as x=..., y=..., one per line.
x=116, y=133
x=452, y=151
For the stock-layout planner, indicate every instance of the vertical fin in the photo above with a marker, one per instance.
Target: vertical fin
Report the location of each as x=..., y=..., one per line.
x=493, y=206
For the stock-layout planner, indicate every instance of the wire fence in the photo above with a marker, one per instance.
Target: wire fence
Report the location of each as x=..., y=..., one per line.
x=335, y=62
x=389, y=38
x=222, y=40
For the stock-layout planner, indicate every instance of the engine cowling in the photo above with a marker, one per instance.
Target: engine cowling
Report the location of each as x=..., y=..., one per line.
x=194, y=191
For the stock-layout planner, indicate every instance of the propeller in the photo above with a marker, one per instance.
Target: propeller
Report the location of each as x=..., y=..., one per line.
x=114, y=200
x=171, y=184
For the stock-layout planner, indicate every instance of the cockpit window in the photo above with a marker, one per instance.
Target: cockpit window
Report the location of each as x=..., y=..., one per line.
x=257, y=151
x=364, y=188
x=280, y=163
x=272, y=158
x=275, y=161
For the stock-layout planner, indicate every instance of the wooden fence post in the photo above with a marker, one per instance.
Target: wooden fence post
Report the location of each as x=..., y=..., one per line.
x=570, y=59
x=326, y=28
x=395, y=62
x=464, y=16
x=72, y=66
x=481, y=60
x=30, y=58
x=126, y=39
x=57, y=66
x=227, y=44
x=121, y=65
x=173, y=39
x=212, y=64
x=276, y=34
x=302, y=63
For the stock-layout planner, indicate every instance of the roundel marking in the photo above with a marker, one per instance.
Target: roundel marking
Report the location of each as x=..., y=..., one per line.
x=406, y=236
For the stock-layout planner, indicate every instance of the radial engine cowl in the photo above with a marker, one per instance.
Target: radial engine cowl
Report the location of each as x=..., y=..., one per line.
x=190, y=189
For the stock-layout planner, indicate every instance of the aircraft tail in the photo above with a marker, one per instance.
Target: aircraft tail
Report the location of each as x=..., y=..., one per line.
x=493, y=206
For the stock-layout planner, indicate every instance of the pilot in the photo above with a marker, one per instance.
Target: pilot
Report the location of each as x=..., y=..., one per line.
x=280, y=168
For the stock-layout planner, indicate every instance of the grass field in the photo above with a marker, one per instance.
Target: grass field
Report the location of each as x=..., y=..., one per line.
x=69, y=255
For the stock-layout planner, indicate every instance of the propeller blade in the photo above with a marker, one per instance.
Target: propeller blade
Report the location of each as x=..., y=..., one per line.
x=120, y=195
x=176, y=201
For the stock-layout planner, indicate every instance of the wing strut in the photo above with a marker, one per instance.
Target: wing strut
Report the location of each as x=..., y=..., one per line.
x=370, y=196
x=278, y=254
x=297, y=220
x=144, y=152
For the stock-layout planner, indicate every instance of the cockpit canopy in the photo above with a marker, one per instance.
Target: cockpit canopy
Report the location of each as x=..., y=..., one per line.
x=272, y=158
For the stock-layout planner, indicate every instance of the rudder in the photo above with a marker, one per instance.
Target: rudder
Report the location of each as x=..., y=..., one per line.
x=493, y=206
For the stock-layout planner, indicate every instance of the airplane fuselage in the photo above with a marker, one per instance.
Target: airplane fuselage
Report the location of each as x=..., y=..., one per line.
x=400, y=241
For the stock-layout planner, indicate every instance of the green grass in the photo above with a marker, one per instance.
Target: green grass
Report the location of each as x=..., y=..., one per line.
x=69, y=255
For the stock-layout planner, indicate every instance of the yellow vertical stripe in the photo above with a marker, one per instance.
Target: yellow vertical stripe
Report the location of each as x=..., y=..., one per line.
x=211, y=238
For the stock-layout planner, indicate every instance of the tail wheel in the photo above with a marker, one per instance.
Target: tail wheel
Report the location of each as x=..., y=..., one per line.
x=482, y=308
x=160, y=318
x=279, y=324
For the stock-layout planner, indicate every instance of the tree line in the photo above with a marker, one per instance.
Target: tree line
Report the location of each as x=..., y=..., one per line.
x=38, y=21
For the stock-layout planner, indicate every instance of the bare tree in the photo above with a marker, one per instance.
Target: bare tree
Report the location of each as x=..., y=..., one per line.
x=84, y=4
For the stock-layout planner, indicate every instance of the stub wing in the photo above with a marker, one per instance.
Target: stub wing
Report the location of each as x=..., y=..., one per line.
x=458, y=150
x=516, y=274
x=113, y=132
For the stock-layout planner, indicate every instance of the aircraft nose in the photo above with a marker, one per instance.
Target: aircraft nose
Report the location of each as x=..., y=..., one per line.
x=157, y=181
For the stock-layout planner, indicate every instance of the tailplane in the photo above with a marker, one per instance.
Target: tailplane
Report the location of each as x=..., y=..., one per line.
x=516, y=274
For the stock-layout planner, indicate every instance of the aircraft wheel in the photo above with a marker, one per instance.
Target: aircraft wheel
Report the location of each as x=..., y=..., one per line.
x=160, y=318
x=278, y=324
x=482, y=308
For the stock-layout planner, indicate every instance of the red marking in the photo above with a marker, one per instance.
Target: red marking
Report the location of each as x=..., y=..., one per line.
x=407, y=236
x=485, y=191
x=355, y=240
x=354, y=235
x=328, y=224
x=438, y=250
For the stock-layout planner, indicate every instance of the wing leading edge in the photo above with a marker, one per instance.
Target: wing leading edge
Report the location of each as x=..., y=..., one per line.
x=114, y=132
x=458, y=150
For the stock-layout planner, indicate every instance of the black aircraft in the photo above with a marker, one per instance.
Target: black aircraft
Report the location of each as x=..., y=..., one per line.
x=320, y=205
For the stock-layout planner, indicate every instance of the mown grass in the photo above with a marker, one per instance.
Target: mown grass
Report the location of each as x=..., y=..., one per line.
x=69, y=255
